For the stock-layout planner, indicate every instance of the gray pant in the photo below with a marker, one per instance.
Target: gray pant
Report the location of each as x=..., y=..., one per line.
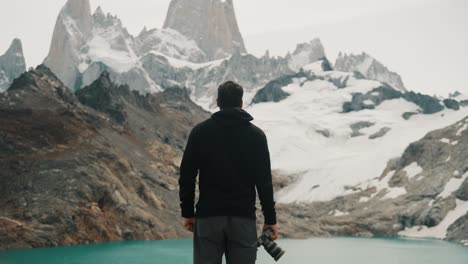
x=236, y=237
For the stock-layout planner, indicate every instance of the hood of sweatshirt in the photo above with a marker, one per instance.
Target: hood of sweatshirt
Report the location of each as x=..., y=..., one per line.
x=232, y=117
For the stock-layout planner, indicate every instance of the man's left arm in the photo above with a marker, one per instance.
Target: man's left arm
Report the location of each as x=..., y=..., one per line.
x=187, y=180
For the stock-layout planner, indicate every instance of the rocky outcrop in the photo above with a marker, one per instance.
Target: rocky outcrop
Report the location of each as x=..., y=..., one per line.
x=102, y=170
x=359, y=101
x=12, y=64
x=273, y=91
x=212, y=24
x=369, y=67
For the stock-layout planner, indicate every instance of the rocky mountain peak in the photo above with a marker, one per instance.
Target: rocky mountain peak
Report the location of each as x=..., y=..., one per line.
x=99, y=15
x=37, y=78
x=80, y=12
x=370, y=68
x=72, y=30
x=39, y=89
x=107, y=21
x=16, y=47
x=12, y=64
x=143, y=31
x=106, y=96
x=306, y=53
x=211, y=23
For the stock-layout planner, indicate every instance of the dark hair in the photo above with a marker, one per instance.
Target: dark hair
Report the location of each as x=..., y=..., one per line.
x=230, y=95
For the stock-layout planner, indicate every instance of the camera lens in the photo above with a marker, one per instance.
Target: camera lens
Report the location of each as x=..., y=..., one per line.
x=274, y=250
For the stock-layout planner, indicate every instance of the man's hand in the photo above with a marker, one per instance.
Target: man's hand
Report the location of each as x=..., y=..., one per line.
x=189, y=224
x=275, y=230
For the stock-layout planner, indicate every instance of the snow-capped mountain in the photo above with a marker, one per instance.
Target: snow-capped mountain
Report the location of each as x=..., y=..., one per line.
x=370, y=68
x=85, y=44
x=328, y=127
x=149, y=62
x=351, y=154
x=211, y=23
x=12, y=64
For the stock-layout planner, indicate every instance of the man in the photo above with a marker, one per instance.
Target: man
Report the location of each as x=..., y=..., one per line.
x=231, y=157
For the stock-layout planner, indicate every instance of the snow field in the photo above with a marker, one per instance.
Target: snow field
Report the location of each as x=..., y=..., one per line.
x=339, y=161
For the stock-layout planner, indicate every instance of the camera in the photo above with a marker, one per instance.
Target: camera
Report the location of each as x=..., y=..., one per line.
x=270, y=246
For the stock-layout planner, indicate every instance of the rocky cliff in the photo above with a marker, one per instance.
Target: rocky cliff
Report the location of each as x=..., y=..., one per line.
x=211, y=23
x=12, y=64
x=370, y=68
x=98, y=166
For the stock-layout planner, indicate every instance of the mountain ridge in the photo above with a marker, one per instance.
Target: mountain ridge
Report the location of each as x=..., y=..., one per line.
x=85, y=176
x=369, y=67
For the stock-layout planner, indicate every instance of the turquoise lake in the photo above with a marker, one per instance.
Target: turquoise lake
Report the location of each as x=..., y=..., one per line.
x=320, y=251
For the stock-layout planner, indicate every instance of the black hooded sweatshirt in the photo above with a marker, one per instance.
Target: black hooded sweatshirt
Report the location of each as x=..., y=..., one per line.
x=231, y=157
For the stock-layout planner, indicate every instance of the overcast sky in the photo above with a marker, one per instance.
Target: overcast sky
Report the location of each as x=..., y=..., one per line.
x=425, y=41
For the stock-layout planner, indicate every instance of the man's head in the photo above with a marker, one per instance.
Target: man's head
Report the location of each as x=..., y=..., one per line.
x=230, y=95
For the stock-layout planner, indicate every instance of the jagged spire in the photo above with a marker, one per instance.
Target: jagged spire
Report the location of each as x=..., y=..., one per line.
x=12, y=64
x=80, y=11
x=211, y=23
x=68, y=39
x=99, y=11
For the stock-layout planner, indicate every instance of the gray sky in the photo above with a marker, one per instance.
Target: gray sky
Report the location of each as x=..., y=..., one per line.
x=425, y=41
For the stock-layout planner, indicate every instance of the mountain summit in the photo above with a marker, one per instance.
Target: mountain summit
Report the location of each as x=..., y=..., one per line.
x=73, y=29
x=370, y=68
x=211, y=23
x=12, y=64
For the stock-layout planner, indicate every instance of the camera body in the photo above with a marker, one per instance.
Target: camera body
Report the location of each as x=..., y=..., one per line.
x=270, y=246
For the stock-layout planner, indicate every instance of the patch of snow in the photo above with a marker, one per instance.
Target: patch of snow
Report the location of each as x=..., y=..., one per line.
x=364, y=199
x=339, y=213
x=177, y=63
x=100, y=50
x=445, y=140
x=315, y=67
x=454, y=142
x=453, y=185
x=412, y=170
x=439, y=231
x=448, y=159
x=456, y=173
x=394, y=192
